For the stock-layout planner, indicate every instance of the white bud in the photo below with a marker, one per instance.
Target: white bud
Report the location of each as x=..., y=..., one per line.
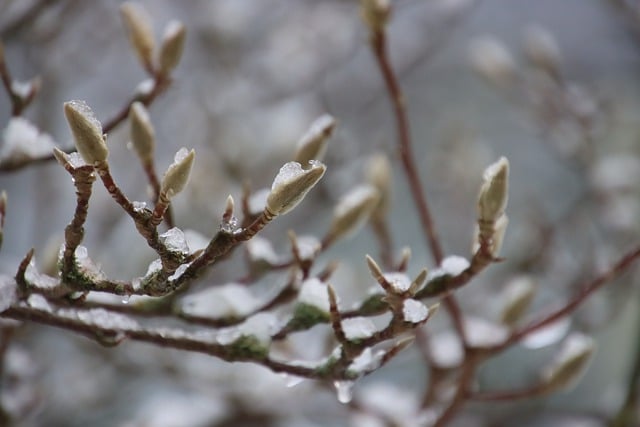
x=491, y=59
x=172, y=46
x=138, y=24
x=499, y=230
x=375, y=14
x=517, y=297
x=379, y=175
x=542, y=49
x=570, y=363
x=291, y=185
x=493, y=195
x=141, y=131
x=87, y=132
x=313, y=143
x=352, y=211
x=177, y=175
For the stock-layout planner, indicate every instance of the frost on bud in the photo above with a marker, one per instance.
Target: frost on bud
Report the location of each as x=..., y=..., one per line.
x=542, y=49
x=291, y=185
x=493, y=196
x=177, y=176
x=313, y=143
x=352, y=211
x=491, y=60
x=140, y=30
x=172, y=46
x=570, y=363
x=517, y=297
x=87, y=132
x=379, y=175
x=375, y=14
x=143, y=136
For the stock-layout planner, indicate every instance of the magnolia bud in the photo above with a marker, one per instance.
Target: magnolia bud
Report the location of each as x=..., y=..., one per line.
x=352, y=211
x=491, y=59
x=493, y=195
x=517, y=297
x=542, y=49
x=172, y=46
x=177, y=176
x=379, y=175
x=142, y=133
x=570, y=363
x=313, y=143
x=138, y=24
x=87, y=132
x=375, y=14
x=291, y=185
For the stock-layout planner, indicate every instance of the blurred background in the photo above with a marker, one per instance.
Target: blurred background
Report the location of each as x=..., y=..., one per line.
x=254, y=75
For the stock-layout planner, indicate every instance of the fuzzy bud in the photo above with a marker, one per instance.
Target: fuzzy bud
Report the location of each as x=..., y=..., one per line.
x=177, y=175
x=87, y=132
x=375, y=14
x=140, y=30
x=291, y=185
x=143, y=136
x=172, y=46
x=493, y=196
x=491, y=59
x=570, y=363
x=313, y=143
x=379, y=175
x=542, y=49
x=352, y=211
x=517, y=297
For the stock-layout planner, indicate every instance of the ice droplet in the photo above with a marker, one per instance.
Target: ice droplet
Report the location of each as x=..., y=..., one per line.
x=139, y=206
x=174, y=240
x=125, y=299
x=344, y=390
x=230, y=225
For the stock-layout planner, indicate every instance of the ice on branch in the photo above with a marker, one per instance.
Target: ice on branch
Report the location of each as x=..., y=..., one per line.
x=87, y=132
x=291, y=185
x=177, y=176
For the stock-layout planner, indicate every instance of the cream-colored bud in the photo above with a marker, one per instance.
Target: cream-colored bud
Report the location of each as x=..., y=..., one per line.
x=374, y=268
x=172, y=46
x=177, y=175
x=87, y=132
x=493, y=196
x=291, y=185
x=491, y=59
x=352, y=211
x=140, y=30
x=542, y=49
x=313, y=143
x=143, y=137
x=570, y=363
x=375, y=14
x=517, y=297
x=380, y=176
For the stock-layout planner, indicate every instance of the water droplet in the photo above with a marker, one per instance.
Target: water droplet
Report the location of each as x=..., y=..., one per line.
x=125, y=299
x=230, y=225
x=344, y=390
